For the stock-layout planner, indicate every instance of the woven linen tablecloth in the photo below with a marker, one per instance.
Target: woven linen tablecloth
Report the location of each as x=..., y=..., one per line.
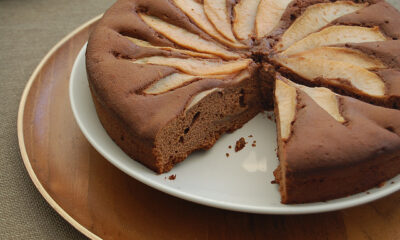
x=28, y=29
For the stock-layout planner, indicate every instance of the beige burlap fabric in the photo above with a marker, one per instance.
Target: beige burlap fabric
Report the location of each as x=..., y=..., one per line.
x=28, y=29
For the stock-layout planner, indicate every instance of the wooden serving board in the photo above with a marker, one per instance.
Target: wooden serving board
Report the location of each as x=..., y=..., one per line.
x=103, y=202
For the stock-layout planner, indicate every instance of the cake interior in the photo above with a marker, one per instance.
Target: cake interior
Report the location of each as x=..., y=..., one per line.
x=223, y=110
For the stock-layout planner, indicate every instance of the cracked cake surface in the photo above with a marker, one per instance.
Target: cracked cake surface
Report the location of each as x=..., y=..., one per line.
x=169, y=77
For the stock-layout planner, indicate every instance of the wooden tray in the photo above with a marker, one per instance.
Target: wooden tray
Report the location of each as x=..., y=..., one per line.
x=103, y=202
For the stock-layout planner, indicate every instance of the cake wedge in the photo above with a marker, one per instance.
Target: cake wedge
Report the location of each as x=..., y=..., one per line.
x=332, y=146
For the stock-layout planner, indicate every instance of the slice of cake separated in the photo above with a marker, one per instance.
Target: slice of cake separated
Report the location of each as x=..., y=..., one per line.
x=169, y=77
x=331, y=146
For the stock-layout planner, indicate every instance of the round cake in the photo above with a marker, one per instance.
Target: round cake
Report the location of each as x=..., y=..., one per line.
x=169, y=77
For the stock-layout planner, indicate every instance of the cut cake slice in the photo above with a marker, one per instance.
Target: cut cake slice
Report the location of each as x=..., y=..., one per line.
x=331, y=146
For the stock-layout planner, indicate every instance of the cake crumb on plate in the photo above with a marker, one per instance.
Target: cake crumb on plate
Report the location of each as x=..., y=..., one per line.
x=172, y=177
x=240, y=144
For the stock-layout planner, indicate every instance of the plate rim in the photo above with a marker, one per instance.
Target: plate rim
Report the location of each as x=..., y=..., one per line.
x=281, y=210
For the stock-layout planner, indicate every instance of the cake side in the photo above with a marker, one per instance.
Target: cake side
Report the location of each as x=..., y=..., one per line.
x=336, y=182
x=132, y=144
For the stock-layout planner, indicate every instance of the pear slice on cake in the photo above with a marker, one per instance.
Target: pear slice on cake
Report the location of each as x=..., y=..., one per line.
x=197, y=66
x=336, y=35
x=342, y=54
x=245, y=13
x=217, y=12
x=336, y=73
x=314, y=18
x=269, y=13
x=187, y=39
x=142, y=43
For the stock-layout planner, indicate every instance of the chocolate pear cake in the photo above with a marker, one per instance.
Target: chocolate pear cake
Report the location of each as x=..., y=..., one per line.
x=169, y=77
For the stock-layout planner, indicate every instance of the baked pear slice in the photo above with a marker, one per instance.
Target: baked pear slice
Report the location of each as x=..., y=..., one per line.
x=342, y=54
x=269, y=13
x=336, y=35
x=142, y=43
x=245, y=13
x=187, y=39
x=217, y=12
x=314, y=18
x=336, y=73
x=197, y=66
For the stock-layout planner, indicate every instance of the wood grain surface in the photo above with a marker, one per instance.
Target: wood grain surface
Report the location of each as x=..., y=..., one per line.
x=103, y=202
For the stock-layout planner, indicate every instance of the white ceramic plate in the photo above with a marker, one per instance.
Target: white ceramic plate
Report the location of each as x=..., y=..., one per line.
x=240, y=182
